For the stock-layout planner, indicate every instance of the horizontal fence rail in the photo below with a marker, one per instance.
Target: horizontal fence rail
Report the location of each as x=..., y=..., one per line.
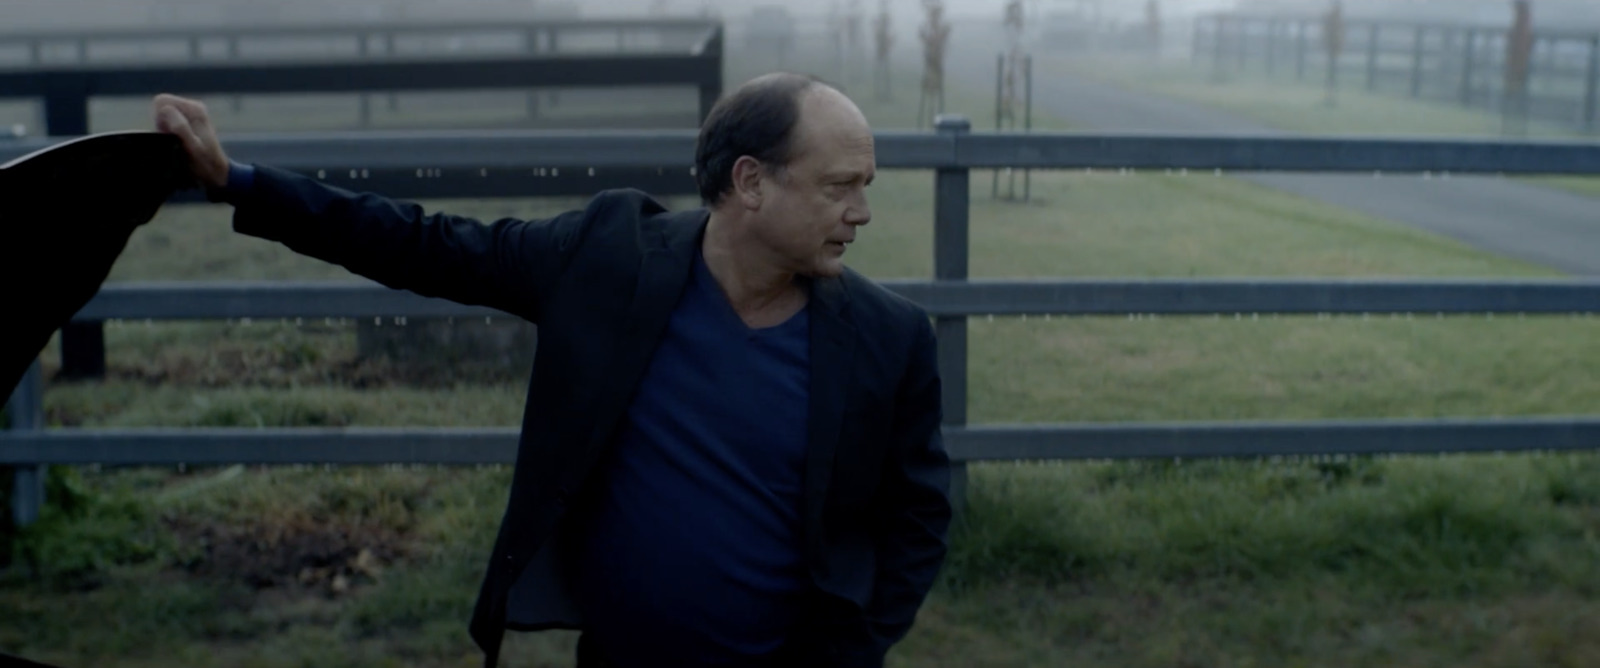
x=476, y=152
x=409, y=72
x=364, y=40
x=354, y=28
x=360, y=299
x=456, y=160
x=498, y=445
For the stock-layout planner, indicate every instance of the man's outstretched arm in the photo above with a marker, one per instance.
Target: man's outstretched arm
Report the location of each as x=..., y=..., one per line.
x=508, y=264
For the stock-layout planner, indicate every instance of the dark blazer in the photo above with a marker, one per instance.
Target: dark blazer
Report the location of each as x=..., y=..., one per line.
x=601, y=283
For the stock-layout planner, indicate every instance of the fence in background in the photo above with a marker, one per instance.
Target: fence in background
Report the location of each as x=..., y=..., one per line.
x=66, y=90
x=367, y=39
x=364, y=58
x=1463, y=65
x=952, y=152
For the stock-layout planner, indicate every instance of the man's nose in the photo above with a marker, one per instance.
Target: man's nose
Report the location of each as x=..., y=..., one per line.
x=858, y=213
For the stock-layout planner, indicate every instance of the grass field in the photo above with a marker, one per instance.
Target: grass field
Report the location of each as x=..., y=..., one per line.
x=1282, y=103
x=1438, y=561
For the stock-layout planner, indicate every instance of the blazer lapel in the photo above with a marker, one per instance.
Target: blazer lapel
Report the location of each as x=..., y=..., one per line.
x=663, y=273
x=832, y=342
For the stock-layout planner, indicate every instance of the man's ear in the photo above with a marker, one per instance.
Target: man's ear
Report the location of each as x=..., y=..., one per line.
x=748, y=181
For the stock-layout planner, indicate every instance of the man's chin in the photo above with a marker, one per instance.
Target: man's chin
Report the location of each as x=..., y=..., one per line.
x=832, y=267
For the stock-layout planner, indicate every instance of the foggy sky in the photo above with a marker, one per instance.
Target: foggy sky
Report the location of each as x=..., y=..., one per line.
x=73, y=13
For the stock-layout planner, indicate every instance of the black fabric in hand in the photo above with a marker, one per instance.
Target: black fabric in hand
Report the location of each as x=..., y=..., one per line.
x=66, y=213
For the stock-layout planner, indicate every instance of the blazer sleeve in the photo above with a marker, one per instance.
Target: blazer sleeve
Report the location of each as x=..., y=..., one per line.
x=507, y=264
x=914, y=508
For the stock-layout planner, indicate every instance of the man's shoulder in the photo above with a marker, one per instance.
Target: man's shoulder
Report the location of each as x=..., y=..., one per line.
x=633, y=212
x=624, y=204
x=871, y=298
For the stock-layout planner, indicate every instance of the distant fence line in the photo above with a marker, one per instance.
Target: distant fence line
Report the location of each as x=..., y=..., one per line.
x=364, y=58
x=1458, y=64
x=952, y=152
x=358, y=39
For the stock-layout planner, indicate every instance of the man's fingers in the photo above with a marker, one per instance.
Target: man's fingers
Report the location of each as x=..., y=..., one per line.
x=171, y=120
x=192, y=111
x=195, y=111
x=176, y=123
x=188, y=120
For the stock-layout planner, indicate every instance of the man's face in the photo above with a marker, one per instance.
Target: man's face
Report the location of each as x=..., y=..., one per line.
x=811, y=209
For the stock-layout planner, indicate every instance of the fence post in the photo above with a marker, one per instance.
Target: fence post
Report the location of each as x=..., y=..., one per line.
x=66, y=114
x=388, y=51
x=1027, y=120
x=1416, y=60
x=532, y=50
x=1466, y=67
x=1591, y=80
x=235, y=101
x=364, y=49
x=1372, y=55
x=999, y=114
x=26, y=411
x=951, y=209
x=1243, y=30
x=711, y=89
x=1218, y=45
x=1196, y=48
x=1300, y=51
x=553, y=46
x=1272, y=45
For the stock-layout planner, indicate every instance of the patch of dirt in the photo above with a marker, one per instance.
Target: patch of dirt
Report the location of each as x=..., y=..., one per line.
x=239, y=368
x=330, y=558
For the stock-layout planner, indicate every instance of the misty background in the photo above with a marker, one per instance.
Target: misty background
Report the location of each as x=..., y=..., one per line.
x=23, y=15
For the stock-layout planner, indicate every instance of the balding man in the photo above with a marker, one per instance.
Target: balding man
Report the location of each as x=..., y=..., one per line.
x=730, y=454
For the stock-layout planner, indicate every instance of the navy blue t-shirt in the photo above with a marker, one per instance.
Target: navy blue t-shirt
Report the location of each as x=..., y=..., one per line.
x=693, y=553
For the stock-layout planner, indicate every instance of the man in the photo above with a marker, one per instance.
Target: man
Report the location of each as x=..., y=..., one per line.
x=730, y=454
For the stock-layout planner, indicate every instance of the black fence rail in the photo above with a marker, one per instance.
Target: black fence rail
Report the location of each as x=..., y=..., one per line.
x=687, y=53
x=34, y=48
x=1463, y=65
x=952, y=152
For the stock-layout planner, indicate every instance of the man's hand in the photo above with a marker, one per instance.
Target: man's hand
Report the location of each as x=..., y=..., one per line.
x=189, y=121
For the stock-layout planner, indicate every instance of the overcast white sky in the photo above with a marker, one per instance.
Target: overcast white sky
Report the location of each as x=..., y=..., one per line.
x=63, y=13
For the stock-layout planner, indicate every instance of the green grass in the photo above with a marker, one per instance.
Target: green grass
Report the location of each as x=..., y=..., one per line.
x=1281, y=102
x=1355, y=562
x=1447, y=561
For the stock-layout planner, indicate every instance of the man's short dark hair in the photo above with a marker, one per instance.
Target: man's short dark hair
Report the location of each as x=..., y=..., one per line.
x=757, y=120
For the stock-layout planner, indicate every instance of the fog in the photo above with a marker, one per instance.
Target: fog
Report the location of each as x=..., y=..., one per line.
x=1548, y=13
x=22, y=15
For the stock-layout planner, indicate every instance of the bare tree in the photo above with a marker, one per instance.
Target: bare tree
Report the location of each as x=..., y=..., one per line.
x=853, y=20
x=836, y=21
x=883, y=37
x=935, y=35
x=1333, y=42
x=1011, y=64
x=1519, y=55
x=1152, y=25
